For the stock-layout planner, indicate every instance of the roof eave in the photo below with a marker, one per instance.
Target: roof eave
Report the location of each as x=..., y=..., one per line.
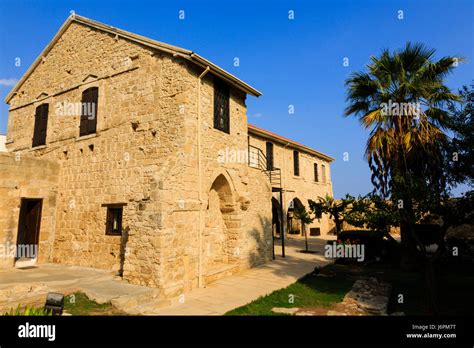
x=295, y=145
x=38, y=59
x=174, y=50
x=225, y=75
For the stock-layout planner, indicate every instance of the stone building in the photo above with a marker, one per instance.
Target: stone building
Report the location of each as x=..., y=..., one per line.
x=3, y=140
x=300, y=172
x=129, y=154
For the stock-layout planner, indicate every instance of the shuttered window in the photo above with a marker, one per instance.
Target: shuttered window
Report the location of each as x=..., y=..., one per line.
x=296, y=163
x=316, y=177
x=221, y=106
x=41, y=125
x=89, y=101
x=269, y=156
x=323, y=173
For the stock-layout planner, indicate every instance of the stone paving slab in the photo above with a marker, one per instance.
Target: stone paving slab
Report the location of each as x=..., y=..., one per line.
x=31, y=285
x=226, y=294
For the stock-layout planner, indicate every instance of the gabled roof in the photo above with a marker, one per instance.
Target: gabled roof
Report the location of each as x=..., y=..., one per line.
x=285, y=141
x=174, y=50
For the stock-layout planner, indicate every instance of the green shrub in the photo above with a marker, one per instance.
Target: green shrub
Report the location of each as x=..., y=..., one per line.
x=28, y=311
x=372, y=241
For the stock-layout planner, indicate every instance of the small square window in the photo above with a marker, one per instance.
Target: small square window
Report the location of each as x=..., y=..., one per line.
x=114, y=220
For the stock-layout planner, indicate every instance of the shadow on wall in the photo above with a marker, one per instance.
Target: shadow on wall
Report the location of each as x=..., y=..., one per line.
x=262, y=252
x=123, y=249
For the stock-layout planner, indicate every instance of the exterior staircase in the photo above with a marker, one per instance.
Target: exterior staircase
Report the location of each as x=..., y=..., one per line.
x=257, y=159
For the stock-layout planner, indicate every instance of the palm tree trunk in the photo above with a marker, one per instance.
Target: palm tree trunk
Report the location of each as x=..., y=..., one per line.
x=338, y=226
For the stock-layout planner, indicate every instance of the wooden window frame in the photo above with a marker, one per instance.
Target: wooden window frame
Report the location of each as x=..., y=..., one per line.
x=89, y=126
x=111, y=210
x=221, y=101
x=296, y=163
x=41, y=125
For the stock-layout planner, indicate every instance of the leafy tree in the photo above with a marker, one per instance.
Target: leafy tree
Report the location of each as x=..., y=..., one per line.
x=460, y=149
x=373, y=212
x=336, y=209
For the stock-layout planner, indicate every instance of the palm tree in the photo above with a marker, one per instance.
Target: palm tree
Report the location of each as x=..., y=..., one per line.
x=402, y=99
x=301, y=214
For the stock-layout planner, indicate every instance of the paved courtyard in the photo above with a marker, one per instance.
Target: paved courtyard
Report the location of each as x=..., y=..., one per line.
x=228, y=293
x=31, y=285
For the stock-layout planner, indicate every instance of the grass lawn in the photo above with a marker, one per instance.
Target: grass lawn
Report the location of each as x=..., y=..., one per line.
x=309, y=291
x=82, y=305
x=455, y=286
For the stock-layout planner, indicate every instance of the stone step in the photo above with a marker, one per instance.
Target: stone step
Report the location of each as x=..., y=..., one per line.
x=25, y=263
x=148, y=308
x=220, y=271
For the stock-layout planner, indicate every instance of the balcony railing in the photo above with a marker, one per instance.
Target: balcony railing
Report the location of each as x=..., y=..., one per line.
x=257, y=159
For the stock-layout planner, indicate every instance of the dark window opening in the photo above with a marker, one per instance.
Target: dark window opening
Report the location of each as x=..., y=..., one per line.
x=315, y=231
x=114, y=220
x=41, y=125
x=89, y=101
x=269, y=156
x=221, y=106
x=323, y=173
x=296, y=163
x=316, y=177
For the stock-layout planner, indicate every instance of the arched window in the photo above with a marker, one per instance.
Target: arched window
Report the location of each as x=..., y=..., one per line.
x=41, y=125
x=90, y=98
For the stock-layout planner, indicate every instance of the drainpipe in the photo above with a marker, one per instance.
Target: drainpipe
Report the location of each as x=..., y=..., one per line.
x=201, y=203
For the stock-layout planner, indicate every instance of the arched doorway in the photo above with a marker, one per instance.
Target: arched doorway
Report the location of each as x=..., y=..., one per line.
x=222, y=225
x=294, y=225
x=276, y=218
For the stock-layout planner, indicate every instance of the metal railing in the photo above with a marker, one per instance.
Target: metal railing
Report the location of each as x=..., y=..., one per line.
x=257, y=159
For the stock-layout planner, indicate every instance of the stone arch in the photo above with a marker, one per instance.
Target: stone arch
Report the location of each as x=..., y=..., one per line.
x=276, y=217
x=294, y=225
x=222, y=172
x=222, y=224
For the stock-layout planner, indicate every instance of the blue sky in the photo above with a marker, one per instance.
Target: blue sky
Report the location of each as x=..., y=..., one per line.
x=293, y=62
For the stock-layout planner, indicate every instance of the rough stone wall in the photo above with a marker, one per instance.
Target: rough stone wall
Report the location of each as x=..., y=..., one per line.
x=303, y=186
x=3, y=139
x=24, y=177
x=143, y=155
x=125, y=162
x=244, y=214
